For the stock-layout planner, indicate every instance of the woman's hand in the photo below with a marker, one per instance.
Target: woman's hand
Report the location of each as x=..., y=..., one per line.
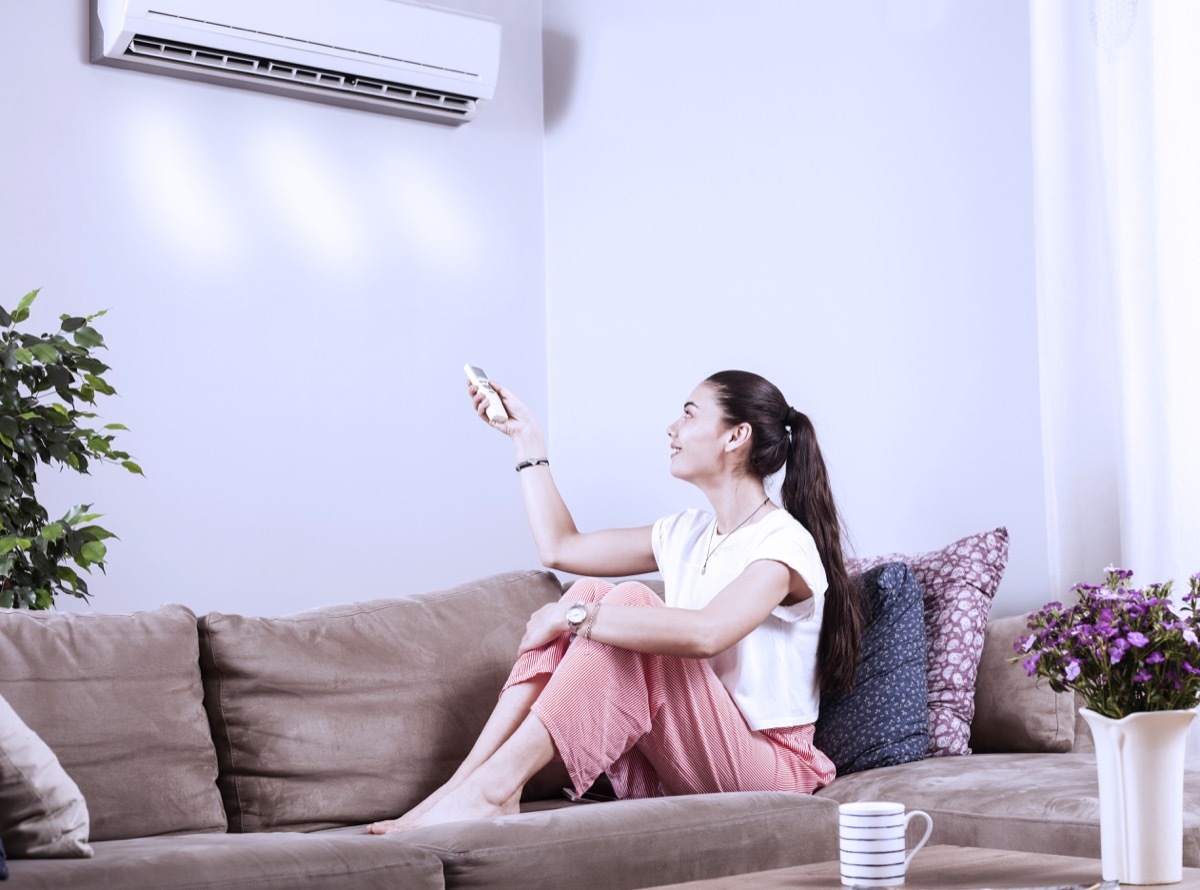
x=544, y=625
x=520, y=424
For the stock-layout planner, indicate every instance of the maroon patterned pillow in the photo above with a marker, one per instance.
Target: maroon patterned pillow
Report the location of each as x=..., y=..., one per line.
x=959, y=583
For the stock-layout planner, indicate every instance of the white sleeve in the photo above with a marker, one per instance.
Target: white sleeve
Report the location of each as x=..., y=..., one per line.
x=793, y=546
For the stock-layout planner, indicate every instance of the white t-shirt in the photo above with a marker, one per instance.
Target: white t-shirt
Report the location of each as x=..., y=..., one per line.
x=771, y=672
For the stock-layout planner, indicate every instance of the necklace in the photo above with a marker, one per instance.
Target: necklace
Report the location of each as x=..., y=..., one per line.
x=711, y=549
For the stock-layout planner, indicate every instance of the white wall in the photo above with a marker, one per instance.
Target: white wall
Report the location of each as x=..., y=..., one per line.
x=838, y=196
x=292, y=291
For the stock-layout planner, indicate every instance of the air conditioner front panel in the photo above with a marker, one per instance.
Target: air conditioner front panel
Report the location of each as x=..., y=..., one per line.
x=358, y=49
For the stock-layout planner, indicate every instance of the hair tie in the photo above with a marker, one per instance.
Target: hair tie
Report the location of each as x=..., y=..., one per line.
x=792, y=419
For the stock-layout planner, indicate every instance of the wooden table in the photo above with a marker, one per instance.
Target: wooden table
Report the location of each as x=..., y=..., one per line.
x=943, y=868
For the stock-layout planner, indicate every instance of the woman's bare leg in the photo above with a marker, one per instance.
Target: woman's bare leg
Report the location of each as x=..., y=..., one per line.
x=491, y=789
x=510, y=712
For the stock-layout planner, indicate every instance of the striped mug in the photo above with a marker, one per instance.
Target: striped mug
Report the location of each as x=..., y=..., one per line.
x=872, y=843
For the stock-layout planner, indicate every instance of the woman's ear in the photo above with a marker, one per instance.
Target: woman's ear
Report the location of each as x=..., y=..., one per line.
x=738, y=436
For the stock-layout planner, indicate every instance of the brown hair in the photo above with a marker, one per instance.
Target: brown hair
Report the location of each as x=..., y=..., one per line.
x=782, y=437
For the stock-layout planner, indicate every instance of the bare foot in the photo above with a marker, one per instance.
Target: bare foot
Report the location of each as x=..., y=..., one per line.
x=459, y=804
x=408, y=820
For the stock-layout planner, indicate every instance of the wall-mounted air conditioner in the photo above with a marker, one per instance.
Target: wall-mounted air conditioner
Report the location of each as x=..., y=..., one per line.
x=382, y=55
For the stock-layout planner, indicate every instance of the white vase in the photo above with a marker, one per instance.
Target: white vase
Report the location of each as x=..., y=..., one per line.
x=1139, y=762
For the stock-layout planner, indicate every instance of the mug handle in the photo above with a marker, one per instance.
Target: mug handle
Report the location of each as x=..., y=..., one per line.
x=924, y=837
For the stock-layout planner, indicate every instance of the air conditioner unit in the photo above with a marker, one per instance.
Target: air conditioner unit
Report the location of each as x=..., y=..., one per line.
x=381, y=55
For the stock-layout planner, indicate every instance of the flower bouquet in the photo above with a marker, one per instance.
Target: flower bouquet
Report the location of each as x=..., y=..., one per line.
x=1123, y=650
x=1135, y=661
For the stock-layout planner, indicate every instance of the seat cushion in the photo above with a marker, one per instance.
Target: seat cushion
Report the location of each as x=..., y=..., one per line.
x=884, y=720
x=97, y=689
x=353, y=713
x=283, y=860
x=635, y=843
x=1040, y=803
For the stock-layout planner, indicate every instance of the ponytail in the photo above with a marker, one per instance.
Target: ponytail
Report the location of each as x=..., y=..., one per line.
x=807, y=495
x=784, y=438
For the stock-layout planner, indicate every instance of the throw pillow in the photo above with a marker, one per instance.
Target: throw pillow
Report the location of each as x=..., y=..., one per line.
x=42, y=813
x=959, y=581
x=1013, y=711
x=3, y=864
x=884, y=720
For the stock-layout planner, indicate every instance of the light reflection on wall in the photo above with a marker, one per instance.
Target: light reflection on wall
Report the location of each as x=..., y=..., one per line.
x=433, y=217
x=186, y=199
x=309, y=195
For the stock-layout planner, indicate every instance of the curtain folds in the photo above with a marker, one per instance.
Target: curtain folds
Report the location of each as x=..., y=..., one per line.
x=1116, y=142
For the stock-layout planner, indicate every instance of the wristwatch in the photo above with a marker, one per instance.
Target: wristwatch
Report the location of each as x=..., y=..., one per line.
x=576, y=615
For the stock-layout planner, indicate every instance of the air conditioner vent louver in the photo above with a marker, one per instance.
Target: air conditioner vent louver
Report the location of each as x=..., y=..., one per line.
x=189, y=55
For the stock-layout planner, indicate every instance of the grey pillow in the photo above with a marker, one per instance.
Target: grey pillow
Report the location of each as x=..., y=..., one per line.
x=884, y=720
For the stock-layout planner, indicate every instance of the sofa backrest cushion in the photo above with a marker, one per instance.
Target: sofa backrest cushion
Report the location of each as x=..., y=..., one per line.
x=884, y=720
x=353, y=713
x=118, y=699
x=1016, y=713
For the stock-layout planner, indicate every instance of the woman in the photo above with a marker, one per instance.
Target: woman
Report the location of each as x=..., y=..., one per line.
x=718, y=689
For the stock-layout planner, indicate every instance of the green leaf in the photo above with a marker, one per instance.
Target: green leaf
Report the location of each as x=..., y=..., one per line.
x=72, y=323
x=24, y=356
x=9, y=427
x=22, y=311
x=11, y=542
x=88, y=337
x=45, y=353
x=93, y=551
x=5, y=320
x=52, y=532
x=116, y=426
x=95, y=533
x=132, y=467
x=99, y=384
x=98, y=445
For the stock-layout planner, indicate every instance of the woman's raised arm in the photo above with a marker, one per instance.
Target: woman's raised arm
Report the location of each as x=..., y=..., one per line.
x=626, y=551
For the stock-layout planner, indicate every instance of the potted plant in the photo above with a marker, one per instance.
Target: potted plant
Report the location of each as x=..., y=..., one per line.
x=1134, y=659
x=48, y=384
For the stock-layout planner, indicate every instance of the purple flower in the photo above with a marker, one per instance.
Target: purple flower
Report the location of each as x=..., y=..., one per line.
x=1191, y=670
x=1073, y=669
x=1155, y=658
x=1143, y=676
x=1030, y=663
x=1136, y=638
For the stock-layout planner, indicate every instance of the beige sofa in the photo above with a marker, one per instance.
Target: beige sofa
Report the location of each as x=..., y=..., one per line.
x=232, y=751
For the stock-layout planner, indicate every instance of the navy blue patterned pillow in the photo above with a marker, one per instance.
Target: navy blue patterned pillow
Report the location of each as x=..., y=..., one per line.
x=3, y=864
x=884, y=720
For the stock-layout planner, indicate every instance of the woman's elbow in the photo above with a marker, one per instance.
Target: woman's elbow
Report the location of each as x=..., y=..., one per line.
x=705, y=642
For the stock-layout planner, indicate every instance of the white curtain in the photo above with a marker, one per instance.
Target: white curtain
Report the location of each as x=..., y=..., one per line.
x=1116, y=133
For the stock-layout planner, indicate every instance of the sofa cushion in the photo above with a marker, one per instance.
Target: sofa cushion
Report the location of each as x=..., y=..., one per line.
x=1039, y=803
x=280, y=860
x=959, y=582
x=635, y=843
x=42, y=812
x=884, y=720
x=1013, y=711
x=353, y=713
x=118, y=699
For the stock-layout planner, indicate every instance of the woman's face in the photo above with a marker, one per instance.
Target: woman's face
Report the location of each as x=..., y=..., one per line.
x=699, y=436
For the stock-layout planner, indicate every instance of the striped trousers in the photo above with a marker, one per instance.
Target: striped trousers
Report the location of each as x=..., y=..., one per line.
x=657, y=725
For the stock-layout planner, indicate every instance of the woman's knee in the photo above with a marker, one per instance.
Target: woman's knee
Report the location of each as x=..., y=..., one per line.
x=587, y=590
x=632, y=593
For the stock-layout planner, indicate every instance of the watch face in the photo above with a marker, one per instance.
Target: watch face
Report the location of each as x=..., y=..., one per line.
x=575, y=615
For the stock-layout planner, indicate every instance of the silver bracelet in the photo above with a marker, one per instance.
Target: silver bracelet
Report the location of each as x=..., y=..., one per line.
x=526, y=464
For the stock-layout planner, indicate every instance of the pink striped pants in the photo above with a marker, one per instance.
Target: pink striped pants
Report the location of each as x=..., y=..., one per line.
x=657, y=725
